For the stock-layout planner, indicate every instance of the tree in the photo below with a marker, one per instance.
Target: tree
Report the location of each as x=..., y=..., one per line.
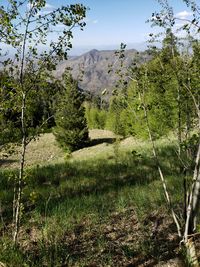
x=114, y=121
x=187, y=79
x=26, y=29
x=9, y=116
x=166, y=94
x=96, y=118
x=40, y=109
x=71, y=127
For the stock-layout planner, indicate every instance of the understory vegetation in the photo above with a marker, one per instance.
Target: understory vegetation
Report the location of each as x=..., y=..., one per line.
x=109, y=210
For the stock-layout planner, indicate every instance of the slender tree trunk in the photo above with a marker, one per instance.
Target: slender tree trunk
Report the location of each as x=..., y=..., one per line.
x=195, y=202
x=194, y=197
x=18, y=201
x=189, y=155
x=191, y=214
x=192, y=206
x=174, y=216
x=179, y=125
x=161, y=174
x=17, y=211
x=190, y=210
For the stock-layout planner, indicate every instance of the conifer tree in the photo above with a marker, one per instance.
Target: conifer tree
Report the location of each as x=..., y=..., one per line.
x=71, y=130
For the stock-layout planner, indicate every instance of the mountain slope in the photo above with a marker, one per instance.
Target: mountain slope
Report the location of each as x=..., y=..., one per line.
x=95, y=65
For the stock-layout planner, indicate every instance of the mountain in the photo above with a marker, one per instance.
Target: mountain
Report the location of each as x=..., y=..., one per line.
x=91, y=68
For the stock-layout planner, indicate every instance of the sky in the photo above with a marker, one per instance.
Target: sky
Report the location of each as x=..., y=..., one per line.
x=111, y=22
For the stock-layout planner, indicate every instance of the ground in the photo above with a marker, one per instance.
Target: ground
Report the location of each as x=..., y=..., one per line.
x=121, y=238
x=44, y=150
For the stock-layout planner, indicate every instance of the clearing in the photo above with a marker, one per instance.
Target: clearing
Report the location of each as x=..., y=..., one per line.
x=100, y=206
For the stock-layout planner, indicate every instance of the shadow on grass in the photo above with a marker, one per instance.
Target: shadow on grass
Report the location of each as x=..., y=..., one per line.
x=101, y=178
x=99, y=141
x=92, y=185
x=94, y=176
x=75, y=180
x=6, y=161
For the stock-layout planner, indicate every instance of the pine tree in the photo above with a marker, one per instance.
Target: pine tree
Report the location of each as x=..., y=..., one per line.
x=71, y=130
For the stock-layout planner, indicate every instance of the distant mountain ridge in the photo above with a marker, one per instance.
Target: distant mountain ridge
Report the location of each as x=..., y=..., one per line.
x=91, y=68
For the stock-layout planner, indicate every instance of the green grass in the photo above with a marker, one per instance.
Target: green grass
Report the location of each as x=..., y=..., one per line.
x=68, y=206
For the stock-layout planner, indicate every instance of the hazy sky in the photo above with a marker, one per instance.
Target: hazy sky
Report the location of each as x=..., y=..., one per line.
x=110, y=22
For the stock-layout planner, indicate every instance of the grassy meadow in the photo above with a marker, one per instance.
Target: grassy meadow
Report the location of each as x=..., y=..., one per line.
x=100, y=206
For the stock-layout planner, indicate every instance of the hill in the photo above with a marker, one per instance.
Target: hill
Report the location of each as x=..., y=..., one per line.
x=95, y=65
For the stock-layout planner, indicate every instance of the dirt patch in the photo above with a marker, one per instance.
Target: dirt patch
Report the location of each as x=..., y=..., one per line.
x=98, y=133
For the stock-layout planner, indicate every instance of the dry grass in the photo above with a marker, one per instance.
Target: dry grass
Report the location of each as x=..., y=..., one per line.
x=97, y=134
x=44, y=150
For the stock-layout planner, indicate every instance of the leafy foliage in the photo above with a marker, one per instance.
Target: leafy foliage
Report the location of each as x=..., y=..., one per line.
x=27, y=30
x=96, y=118
x=33, y=52
x=39, y=112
